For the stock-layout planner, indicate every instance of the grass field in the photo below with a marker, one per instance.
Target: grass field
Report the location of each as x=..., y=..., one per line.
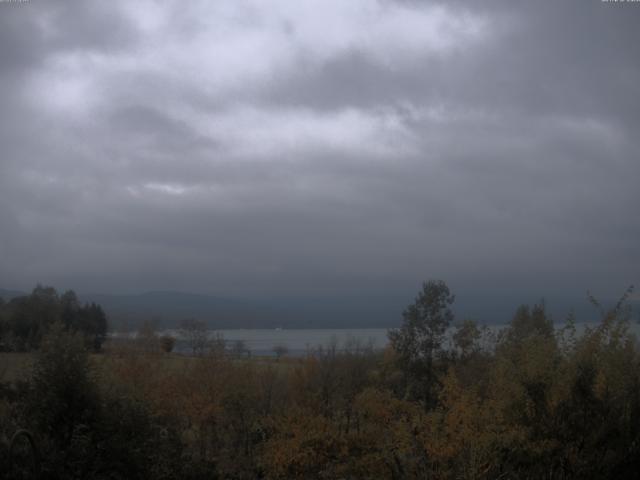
x=15, y=366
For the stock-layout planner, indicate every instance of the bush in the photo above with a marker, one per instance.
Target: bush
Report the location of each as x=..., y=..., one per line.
x=167, y=342
x=89, y=434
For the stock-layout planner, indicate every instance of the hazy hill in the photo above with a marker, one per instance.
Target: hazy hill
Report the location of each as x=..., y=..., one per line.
x=9, y=294
x=167, y=308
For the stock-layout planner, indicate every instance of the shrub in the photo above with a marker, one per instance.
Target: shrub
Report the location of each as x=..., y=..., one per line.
x=167, y=342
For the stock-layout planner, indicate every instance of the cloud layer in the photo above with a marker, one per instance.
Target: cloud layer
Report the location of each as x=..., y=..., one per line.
x=320, y=148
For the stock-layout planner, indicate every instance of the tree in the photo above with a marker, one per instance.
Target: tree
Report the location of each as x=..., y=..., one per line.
x=70, y=310
x=28, y=318
x=4, y=327
x=528, y=322
x=195, y=333
x=92, y=322
x=89, y=319
x=466, y=337
x=31, y=316
x=167, y=342
x=64, y=393
x=280, y=350
x=239, y=348
x=419, y=340
x=89, y=432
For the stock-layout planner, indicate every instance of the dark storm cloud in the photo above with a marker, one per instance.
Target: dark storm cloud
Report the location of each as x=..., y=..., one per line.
x=31, y=32
x=237, y=147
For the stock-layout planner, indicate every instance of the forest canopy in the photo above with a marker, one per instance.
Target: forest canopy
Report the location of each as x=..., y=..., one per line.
x=24, y=320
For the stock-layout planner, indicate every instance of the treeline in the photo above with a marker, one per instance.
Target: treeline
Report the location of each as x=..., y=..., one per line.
x=529, y=402
x=25, y=320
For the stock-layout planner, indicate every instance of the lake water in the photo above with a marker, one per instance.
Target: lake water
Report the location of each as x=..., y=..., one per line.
x=298, y=342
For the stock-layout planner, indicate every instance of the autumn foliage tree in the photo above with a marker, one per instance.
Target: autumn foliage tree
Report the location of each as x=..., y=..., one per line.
x=531, y=401
x=419, y=341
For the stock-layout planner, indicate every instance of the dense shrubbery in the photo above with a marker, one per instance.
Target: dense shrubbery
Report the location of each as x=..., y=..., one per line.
x=529, y=402
x=83, y=430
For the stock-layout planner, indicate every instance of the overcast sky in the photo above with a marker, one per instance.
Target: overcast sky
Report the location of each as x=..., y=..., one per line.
x=317, y=148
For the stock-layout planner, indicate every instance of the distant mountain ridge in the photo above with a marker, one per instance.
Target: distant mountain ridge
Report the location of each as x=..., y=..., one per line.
x=168, y=308
x=9, y=294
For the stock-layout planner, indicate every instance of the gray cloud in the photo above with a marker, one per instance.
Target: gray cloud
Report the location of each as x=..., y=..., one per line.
x=288, y=149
